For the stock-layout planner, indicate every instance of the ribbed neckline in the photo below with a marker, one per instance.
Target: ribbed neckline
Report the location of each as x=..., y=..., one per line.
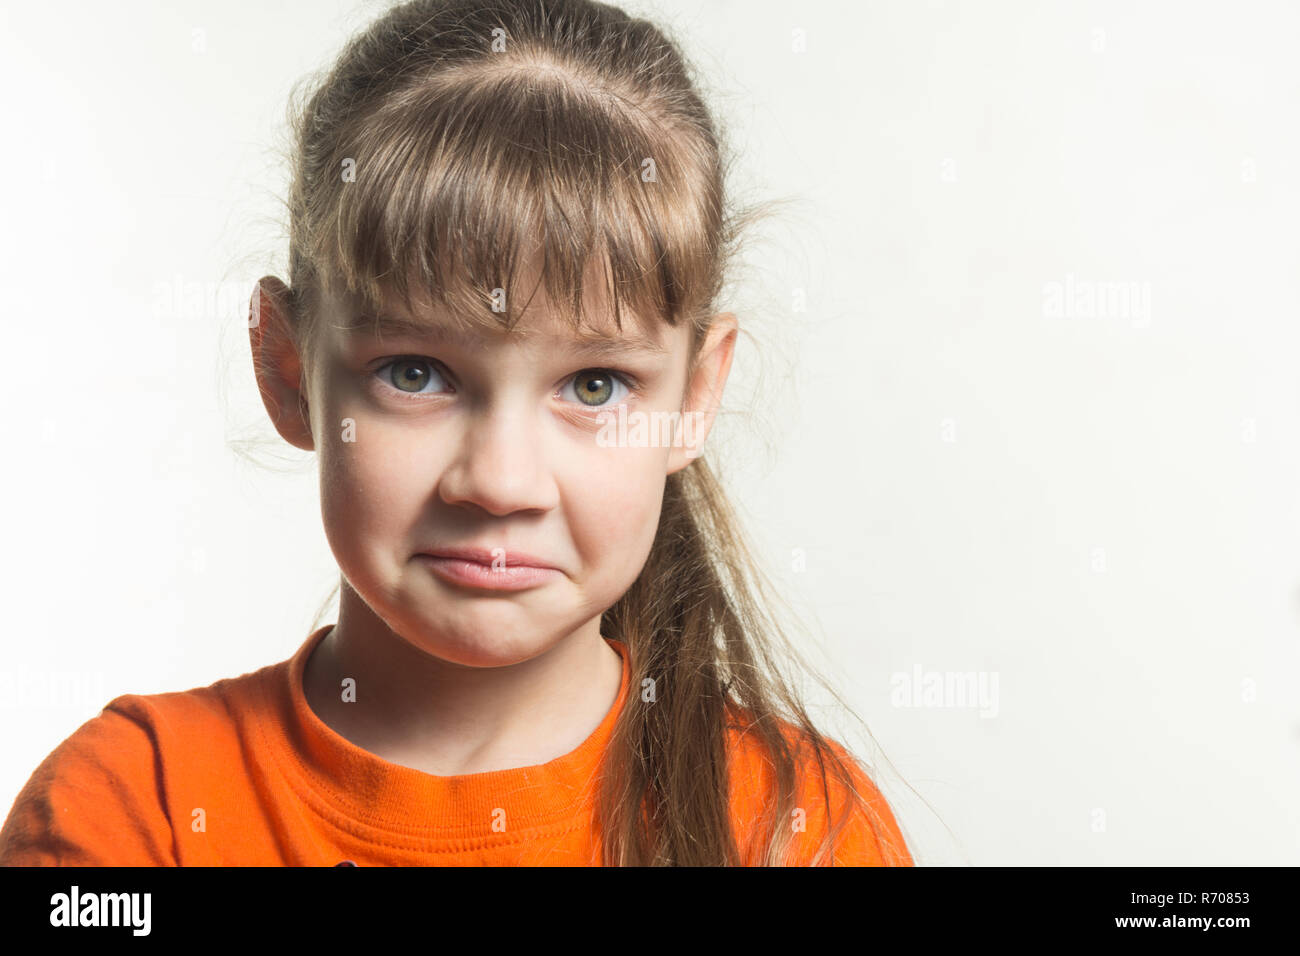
x=374, y=792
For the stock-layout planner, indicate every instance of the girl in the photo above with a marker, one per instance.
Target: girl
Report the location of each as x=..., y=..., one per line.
x=507, y=232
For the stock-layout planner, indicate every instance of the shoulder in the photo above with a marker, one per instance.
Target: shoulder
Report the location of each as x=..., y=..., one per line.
x=100, y=798
x=94, y=801
x=870, y=835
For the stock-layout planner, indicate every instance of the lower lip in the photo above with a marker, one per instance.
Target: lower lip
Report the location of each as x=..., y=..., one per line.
x=484, y=577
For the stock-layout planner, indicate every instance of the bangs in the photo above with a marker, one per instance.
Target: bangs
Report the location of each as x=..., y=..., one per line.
x=468, y=183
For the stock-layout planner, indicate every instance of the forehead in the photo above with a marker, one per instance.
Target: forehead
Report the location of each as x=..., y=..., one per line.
x=539, y=326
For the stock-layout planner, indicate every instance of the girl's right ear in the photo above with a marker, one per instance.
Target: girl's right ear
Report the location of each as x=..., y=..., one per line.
x=276, y=362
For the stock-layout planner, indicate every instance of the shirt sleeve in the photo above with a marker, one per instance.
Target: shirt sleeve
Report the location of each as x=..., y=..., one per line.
x=871, y=835
x=96, y=800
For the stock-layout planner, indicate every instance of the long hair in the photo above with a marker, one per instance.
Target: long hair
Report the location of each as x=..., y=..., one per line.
x=451, y=141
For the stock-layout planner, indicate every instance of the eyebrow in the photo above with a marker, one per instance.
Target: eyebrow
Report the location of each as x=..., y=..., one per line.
x=585, y=344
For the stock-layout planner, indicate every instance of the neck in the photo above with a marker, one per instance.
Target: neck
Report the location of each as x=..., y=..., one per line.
x=443, y=718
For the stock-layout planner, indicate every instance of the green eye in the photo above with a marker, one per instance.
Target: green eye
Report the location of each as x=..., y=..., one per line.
x=593, y=386
x=411, y=376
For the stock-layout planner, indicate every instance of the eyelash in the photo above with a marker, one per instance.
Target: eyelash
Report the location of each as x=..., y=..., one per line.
x=629, y=381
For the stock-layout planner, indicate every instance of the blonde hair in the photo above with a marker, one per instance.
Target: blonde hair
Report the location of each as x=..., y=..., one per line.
x=483, y=133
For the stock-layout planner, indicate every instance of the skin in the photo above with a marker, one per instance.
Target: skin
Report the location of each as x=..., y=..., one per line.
x=496, y=450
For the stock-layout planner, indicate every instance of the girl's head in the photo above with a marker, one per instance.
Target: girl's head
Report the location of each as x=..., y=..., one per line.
x=535, y=190
x=440, y=437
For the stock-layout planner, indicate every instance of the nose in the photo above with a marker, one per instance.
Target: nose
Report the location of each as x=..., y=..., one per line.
x=501, y=465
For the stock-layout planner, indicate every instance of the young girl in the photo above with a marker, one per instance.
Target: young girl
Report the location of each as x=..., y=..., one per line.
x=507, y=234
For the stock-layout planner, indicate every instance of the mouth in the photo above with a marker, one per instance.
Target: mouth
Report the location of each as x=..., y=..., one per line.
x=481, y=569
x=492, y=557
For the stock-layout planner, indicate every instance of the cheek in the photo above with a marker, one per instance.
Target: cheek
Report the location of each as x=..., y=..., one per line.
x=615, y=508
x=374, y=481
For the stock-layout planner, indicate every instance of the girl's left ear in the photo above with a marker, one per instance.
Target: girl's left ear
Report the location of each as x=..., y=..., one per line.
x=704, y=391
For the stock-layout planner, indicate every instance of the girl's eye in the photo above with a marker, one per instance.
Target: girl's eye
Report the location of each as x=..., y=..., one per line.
x=593, y=387
x=409, y=375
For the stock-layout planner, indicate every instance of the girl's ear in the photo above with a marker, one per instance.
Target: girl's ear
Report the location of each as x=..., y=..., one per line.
x=704, y=391
x=277, y=363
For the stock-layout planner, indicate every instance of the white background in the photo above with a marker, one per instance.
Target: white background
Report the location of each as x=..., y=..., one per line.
x=1098, y=510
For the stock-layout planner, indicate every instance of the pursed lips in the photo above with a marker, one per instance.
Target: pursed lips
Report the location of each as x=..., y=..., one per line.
x=492, y=557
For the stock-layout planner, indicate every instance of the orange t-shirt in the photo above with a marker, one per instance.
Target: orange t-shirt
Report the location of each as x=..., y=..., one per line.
x=243, y=773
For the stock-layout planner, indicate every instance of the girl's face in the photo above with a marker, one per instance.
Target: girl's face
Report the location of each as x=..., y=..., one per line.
x=493, y=441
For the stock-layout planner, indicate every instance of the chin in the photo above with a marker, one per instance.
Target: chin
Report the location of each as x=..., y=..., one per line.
x=478, y=639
